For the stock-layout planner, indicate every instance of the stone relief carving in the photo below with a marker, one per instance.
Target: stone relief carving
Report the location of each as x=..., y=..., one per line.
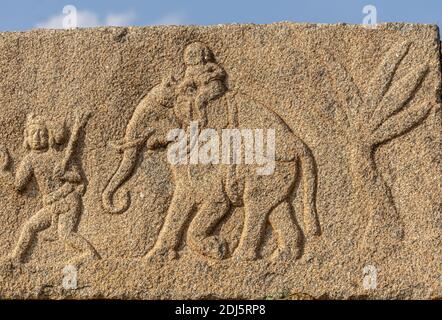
x=203, y=197
x=355, y=115
x=368, y=121
x=59, y=181
x=212, y=191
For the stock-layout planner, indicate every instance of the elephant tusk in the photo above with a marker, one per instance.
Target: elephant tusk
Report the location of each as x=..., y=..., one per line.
x=122, y=145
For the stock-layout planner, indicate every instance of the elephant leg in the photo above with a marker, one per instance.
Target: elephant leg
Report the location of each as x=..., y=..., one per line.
x=172, y=231
x=256, y=215
x=289, y=234
x=201, y=227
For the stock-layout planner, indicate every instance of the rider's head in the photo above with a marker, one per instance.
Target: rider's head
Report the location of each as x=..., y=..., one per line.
x=197, y=53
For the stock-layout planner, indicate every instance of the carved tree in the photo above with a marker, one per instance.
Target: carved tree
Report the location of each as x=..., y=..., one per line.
x=383, y=114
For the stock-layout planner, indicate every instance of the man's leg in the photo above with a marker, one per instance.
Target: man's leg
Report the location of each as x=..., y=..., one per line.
x=67, y=223
x=40, y=221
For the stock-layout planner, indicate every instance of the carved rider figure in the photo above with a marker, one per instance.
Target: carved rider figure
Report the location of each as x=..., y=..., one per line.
x=204, y=78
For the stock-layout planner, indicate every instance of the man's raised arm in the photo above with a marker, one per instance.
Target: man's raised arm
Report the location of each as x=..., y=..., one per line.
x=24, y=171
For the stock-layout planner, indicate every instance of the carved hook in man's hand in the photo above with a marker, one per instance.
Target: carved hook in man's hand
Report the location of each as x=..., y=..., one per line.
x=81, y=119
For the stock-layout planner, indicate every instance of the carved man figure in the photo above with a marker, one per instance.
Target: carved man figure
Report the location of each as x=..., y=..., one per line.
x=60, y=183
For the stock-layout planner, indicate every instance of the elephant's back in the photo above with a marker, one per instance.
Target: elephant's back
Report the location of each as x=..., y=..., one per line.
x=249, y=114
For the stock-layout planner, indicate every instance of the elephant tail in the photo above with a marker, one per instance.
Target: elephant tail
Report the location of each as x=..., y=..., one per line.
x=309, y=181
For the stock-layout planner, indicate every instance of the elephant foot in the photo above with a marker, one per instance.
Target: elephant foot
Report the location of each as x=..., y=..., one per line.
x=8, y=263
x=51, y=235
x=245, y=255
x=212, y=247
x=286, y=254
x=86, y=257
x=161, y=255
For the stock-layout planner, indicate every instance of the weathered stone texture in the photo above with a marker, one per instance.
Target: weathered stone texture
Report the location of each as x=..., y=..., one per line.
x=351, y=209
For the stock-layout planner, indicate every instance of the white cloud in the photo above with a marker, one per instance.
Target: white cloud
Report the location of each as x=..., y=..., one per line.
x=86, y=19
x=120, y=19
x=54, y=22
x=171, y=19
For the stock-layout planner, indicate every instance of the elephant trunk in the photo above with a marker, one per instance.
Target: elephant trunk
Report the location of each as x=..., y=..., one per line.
x=123, y=173
x=138, y=132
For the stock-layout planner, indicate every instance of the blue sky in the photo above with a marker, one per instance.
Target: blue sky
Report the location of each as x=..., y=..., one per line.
x=18, y=15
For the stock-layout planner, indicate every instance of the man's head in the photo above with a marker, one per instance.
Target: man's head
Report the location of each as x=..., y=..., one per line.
x=38, y=135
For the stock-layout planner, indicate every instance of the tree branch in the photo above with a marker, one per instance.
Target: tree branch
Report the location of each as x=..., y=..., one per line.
x=401, y=123
x=397, y=97
x=383, y=76
x=345, y=91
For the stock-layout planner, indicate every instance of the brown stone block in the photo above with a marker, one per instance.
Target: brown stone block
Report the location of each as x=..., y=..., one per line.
x=295, y=161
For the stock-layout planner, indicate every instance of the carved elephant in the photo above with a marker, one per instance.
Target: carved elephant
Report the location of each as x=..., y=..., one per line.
x=211, y=190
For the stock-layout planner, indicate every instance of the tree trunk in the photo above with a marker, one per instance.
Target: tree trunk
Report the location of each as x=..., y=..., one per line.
x=384, y=229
